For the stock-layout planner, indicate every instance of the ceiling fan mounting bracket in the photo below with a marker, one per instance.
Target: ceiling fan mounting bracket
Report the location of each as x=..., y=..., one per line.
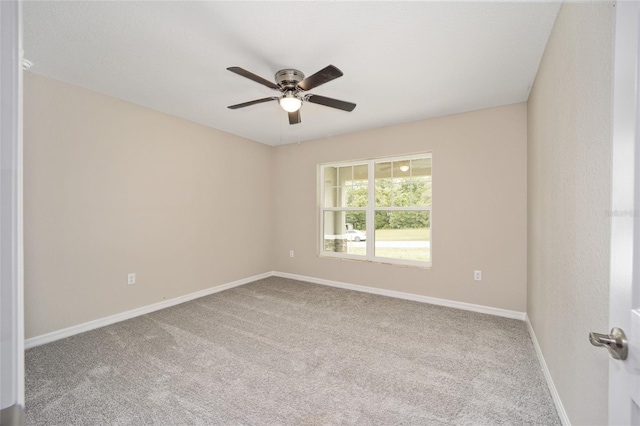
x=288, y=79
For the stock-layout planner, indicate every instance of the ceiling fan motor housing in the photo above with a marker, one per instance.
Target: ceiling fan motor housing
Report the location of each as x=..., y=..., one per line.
x=288, y=79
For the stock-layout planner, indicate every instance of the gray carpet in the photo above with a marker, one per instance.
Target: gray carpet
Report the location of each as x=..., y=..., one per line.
x=284, y=352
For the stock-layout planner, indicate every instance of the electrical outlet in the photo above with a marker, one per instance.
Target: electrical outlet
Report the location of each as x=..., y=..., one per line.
x=131, y=279
x=477, y=275
x=290, y=253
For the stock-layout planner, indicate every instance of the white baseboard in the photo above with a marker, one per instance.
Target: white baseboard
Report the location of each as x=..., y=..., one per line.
x=91, y=325
x=564, y=418
x=408, y=296
x=101, y=322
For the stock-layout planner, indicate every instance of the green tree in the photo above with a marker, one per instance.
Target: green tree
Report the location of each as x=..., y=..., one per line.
x=390, y=193
x=358, y=219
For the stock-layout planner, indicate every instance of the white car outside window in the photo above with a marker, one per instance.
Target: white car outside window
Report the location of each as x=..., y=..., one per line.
x=355, y=235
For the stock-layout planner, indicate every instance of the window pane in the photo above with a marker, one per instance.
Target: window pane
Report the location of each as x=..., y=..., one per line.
x=421, y=193
x=383, y=195
x=403, y=183
x=383, y=184
x=421, y=167
x=401, y=195
x=330, y=196
x=403, y=235
x=357, y=196
x=383, y=171
x=345, y=175
x=330, y=176
x=356, y=220
x=360, y=173
x=401, y=171
x=345, y=232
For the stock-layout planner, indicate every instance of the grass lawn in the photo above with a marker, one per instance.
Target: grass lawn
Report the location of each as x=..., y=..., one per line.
x=417, y=234
x=411, y=253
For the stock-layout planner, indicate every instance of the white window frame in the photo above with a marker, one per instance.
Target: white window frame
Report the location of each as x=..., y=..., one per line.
x=370, y=212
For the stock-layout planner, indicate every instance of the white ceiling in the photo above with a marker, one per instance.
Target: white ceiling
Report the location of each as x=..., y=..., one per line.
x=402, y=61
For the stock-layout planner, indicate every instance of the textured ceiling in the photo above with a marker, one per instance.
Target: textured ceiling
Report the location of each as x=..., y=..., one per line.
x=402, y=61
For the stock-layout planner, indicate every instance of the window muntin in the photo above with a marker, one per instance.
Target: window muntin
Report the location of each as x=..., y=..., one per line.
x=390, y=197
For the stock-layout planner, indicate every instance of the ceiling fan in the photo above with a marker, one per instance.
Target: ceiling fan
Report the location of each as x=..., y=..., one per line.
x=292, y=84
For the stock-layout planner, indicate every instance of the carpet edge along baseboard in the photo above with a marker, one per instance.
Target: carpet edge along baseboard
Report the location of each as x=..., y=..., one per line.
x=101, y=322
x=112, y=319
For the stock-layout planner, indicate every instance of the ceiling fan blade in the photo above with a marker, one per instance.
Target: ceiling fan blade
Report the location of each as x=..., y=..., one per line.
x=246, y=104
x=252, y=76
x=294, y=117
x=330, y=102
x=323, y=76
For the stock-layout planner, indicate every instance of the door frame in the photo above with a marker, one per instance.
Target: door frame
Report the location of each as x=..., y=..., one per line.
x=11, y=214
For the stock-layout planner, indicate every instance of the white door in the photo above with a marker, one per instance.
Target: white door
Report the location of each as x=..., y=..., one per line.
x=624, y=376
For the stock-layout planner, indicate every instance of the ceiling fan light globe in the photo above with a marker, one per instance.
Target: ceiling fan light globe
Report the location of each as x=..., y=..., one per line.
x=290, y=104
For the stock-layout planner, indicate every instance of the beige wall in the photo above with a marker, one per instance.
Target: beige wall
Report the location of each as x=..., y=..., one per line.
x=479, y=206
x=112, y=188
x=569, y=183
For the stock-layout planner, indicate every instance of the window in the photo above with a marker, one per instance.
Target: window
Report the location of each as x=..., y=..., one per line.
x=377, y=210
